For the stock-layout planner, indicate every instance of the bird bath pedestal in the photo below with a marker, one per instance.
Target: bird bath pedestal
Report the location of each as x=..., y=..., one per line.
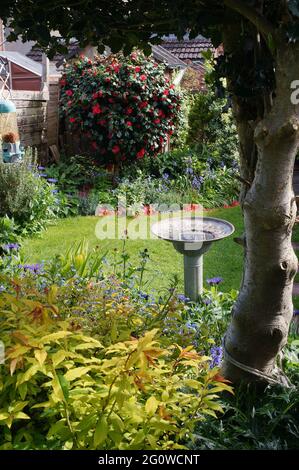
x=192, y=237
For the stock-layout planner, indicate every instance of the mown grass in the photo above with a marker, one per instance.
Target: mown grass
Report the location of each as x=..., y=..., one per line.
x=224, y=259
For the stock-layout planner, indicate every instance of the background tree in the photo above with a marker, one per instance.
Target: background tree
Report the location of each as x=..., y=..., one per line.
x=260, y=62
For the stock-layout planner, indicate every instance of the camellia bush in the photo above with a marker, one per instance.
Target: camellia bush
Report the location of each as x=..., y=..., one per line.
x=125, y=107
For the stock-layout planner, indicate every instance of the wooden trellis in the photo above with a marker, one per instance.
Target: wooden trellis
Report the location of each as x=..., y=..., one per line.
x=5, y=89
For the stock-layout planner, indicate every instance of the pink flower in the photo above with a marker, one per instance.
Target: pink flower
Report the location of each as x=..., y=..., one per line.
x=69, y=93
x=96, y=109
x=72, y=120
x=143, y=77
x=115, y=149
x=137, y=69
x=116, y=68
x=166, y=92
x=141, y=153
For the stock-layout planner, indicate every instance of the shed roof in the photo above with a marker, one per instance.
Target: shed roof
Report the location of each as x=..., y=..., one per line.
x=23, y=61
x=188, y=49
x=162, y=55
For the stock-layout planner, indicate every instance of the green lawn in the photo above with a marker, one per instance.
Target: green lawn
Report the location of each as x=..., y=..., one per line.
x=224, y=258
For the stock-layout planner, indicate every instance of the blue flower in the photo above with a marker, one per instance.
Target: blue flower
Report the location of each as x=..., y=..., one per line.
x=165, y=176
x=41, y=168
x=2, y=289
x=216, y=354
x=189, y=171
x=11, y=246
x=182, y=298
x=296, y=312
x=52, y=180
x=214, y=281
x=54, y=191
x=207, y=301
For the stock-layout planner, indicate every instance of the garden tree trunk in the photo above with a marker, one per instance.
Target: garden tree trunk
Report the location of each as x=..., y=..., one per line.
x=263, y=311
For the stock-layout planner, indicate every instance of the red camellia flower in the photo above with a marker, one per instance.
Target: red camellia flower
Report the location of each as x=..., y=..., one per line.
x=166, y=92
x=96, y=109
x=69, y=103
x=142, y=104
x=129, y=110
x=115, y=149
x=161, y=113
x=116, y=68
x=129, y=124
x=157, y=121
x=94, y=145
x=102, y=122
x=72, y=120
x=137, y=69
x=143, y=77
x=111, y=100
x=62, y=82
x=141, y=153
x=69, y=93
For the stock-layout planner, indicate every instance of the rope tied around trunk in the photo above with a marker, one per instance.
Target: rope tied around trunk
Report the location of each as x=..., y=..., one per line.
x=258, y=373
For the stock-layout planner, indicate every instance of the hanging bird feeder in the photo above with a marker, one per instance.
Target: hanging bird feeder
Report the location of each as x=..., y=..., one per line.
x=10, y=141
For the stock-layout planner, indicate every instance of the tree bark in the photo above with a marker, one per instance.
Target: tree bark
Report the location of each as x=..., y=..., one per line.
x=263, y=311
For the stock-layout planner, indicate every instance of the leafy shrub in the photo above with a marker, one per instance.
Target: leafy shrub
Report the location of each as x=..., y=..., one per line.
x=25, y=197
x=124, y=106
x=74, y=392
x=212, y=130
x=8, y=231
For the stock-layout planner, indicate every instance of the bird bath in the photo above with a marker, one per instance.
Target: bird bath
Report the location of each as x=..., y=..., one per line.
x=192, y=237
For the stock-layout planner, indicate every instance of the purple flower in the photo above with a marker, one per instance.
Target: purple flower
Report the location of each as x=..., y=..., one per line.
x=182, y=298
x=52, y=180
x=2, y=289
x=189, y=171
x=165, y=176
x=216, y=354
x=214, y=281
x=54, y=191
x=207, y=301
x=41, y=168
x=43, y=175
x=33, y=268
x=296, y=312
x=11, y=246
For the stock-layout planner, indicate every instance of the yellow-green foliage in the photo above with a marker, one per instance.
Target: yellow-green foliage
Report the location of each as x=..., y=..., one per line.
x=62, y=389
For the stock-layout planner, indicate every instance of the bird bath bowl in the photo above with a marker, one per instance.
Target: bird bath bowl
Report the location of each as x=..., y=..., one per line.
x=192, y=237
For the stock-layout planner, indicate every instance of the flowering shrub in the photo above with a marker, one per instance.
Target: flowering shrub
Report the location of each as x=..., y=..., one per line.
x=88, y=365
x=124, y=106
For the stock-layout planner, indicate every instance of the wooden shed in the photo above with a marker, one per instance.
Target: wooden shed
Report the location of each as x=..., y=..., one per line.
x=27, y=85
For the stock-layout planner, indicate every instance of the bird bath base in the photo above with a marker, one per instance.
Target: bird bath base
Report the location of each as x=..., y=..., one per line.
x=192, y=237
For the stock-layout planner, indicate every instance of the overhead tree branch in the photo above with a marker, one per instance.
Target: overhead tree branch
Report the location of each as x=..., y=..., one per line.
x=262, y=24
